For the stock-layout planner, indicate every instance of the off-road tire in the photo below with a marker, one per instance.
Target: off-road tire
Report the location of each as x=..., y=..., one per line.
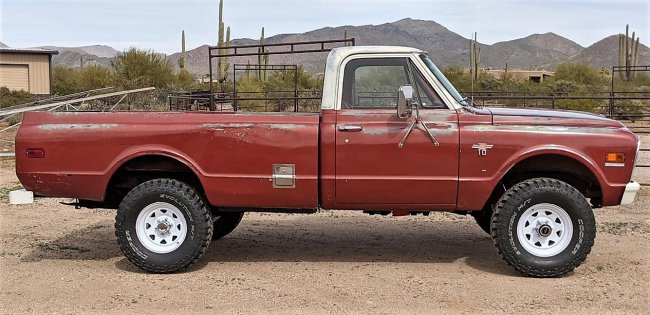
x=194, y=210
x=224, y=223
x=524, y=195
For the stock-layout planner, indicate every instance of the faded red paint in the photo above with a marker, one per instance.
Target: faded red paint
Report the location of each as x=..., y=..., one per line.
x=233, y=154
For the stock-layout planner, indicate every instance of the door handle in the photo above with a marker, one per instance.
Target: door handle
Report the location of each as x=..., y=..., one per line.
x=349, y=128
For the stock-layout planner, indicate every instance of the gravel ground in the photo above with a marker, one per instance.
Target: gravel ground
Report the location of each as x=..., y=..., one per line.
x=57, y=259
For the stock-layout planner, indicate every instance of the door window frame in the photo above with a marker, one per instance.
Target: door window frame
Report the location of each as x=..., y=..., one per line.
x=415, y=61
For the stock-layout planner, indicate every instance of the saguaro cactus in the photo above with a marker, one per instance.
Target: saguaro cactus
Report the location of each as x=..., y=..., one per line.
x=181, y=60
x=266, y=63
x=628, y=53
x=474, y=56
x=261, y=58
x=222, y=63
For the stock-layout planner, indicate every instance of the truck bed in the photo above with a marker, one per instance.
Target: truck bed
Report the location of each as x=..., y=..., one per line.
x=231, y=154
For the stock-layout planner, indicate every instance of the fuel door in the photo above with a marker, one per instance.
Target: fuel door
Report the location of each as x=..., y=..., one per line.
x=284, y=176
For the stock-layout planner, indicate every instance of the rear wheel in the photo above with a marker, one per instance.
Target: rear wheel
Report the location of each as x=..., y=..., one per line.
x=543, y=227
x=224, y=223
x=163, y=225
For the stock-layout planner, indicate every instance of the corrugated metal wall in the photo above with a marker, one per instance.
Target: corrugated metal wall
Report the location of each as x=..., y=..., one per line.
x=15, y=77
x=38, y=67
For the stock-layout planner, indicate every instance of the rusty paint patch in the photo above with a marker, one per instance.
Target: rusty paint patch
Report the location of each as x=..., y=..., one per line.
x=76, y=126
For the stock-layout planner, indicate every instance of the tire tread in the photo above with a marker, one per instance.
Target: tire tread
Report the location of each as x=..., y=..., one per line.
x=501, y=243
x=164, y=184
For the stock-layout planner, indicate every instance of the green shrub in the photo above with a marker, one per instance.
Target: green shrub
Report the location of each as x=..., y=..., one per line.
x=136, y=68
x=11, y=97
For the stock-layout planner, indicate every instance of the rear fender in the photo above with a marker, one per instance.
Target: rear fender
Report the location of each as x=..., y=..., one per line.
x=144, y=150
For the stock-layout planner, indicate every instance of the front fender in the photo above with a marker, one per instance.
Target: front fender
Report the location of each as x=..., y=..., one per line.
x=581, y=157
x=474, y=191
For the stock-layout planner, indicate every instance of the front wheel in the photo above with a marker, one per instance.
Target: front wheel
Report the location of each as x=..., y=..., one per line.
x=163, y=225
x=543, y=227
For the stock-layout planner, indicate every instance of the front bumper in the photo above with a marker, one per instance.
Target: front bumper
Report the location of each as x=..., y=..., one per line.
x=630, y=192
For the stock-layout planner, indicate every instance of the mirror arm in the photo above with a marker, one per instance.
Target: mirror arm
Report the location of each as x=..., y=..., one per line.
x=431, y=136
x=406, y=135
x=410, y=129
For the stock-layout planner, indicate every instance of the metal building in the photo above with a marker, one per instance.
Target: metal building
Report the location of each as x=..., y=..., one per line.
x=28, y=69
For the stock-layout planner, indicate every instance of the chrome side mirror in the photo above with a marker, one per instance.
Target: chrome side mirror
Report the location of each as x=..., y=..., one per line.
x=404, y=98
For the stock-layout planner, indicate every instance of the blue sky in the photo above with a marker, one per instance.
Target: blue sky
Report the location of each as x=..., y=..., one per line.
x=157, y=24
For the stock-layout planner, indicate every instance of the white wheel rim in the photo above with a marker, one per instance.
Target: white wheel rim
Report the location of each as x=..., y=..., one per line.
x=161, y=227
x=545, y=230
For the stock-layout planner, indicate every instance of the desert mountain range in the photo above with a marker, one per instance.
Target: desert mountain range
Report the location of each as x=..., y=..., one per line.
x=537, y=51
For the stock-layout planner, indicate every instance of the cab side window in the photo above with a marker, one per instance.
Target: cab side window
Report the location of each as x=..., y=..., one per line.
x=374, y=83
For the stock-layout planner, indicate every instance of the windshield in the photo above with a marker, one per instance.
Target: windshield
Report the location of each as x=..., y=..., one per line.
x=441, y=77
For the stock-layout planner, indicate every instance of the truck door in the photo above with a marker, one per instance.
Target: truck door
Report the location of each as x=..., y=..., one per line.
x=372, y=170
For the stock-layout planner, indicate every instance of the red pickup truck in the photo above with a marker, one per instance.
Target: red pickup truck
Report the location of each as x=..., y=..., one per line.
x=178, y=181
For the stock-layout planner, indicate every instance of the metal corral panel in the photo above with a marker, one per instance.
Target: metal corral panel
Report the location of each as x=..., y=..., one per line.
x=38, y=67
x=14, y=77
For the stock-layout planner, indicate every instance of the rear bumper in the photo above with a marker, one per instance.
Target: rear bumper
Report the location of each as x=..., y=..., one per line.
x=630, y=192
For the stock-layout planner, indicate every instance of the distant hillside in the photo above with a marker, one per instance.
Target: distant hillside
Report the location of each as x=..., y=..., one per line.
x=92, y=55
x=445, y=47
x=97, y=50
x=71, y=58
x=537, y=51
x=604, y=53
x=534, y=51
x=2, y=45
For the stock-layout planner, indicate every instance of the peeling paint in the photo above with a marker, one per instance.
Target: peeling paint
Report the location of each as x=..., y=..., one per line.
x=223, y=126
x=382, y=131
x=365, y=113
x=541, y=129
x=76, y=126
x=439, y=131
x=282, y=126
x=250, y=126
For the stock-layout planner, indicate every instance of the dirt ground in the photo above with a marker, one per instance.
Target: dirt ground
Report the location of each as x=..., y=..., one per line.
x=57, y=259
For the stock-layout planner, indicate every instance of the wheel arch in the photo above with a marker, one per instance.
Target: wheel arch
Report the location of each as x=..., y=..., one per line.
x=564, y=164
x=137, y=167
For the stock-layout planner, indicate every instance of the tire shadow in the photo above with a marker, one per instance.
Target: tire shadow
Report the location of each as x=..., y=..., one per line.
x=94, y=242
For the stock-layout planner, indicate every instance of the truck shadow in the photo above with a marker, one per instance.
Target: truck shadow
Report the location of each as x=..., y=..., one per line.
x=308, y=240
x=94, y=242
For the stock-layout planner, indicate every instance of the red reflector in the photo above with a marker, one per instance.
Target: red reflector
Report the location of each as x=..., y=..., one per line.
x=35, y=153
